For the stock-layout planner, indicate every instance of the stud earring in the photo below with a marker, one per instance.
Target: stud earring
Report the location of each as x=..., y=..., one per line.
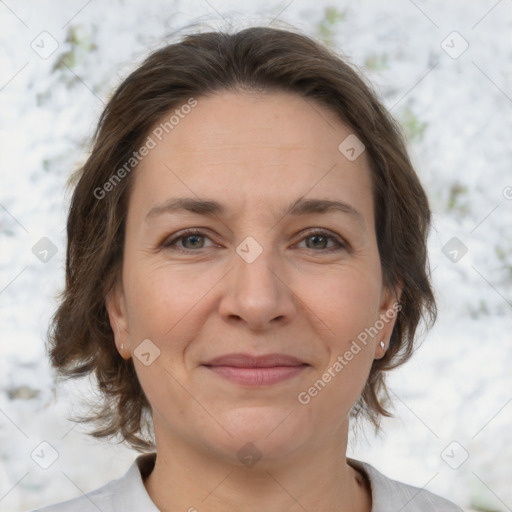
x=382, y=345
x=122, y=346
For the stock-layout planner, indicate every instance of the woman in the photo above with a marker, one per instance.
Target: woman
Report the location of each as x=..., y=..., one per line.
x=246, y=260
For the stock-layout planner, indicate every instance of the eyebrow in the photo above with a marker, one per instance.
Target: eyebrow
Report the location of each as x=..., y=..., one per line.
x=213, y=208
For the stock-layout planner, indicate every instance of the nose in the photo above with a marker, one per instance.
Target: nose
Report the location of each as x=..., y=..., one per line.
x=256, y=292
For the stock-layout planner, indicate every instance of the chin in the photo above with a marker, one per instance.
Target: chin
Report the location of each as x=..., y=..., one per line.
x=260, y=435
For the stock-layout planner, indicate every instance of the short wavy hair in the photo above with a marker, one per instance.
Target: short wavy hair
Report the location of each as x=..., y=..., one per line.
x=260, y=59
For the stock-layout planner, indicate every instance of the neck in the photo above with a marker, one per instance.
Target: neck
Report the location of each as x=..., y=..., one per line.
x=189, y=479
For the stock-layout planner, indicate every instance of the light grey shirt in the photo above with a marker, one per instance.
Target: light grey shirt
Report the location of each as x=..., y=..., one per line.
x=129, y=494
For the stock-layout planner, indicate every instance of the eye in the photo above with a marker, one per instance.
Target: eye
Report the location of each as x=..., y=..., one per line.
x=193, y=236
x=320, y=237
x=193, y=239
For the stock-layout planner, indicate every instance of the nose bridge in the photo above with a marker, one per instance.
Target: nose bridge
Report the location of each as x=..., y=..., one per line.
x=256, y=292
x=255, y=263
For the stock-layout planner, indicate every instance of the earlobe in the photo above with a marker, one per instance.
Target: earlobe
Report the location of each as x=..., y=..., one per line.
x=389, y=310
x=116, y=309
x=380, y=349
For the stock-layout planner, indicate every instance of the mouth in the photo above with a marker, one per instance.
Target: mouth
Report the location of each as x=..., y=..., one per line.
x=250, y=370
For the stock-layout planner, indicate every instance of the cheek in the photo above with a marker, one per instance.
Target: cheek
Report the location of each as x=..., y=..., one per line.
x=347, y=298
x=342, y=300
x=160, y=297
x=347, y=306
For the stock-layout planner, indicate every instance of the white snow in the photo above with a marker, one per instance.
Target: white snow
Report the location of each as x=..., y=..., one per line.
x=458, y=387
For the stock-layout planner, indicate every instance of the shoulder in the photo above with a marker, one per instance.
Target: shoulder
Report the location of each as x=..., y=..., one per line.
x=390, y=494
x=100, y=499
x=124, y=494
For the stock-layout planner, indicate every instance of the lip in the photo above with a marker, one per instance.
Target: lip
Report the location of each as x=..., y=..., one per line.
x=256, y=370
x=240, y=360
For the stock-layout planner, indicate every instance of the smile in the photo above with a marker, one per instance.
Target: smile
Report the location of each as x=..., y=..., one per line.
x=253, y=376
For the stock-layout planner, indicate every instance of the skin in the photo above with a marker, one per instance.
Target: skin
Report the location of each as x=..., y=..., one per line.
x=256, y=153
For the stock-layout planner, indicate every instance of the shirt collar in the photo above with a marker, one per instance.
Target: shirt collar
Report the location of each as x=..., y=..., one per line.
x=131, y=493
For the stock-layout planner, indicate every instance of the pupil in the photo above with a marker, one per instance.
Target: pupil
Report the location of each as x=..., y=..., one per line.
x=317, y=237
x=192, y=237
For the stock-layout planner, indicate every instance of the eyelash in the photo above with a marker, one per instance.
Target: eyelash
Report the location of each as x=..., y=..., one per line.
x=170, y=244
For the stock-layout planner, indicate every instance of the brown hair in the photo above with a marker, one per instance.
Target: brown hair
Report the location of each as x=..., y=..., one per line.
x=255, y=59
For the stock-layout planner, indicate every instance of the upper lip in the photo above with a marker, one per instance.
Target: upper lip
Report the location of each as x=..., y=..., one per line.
x=247, y=361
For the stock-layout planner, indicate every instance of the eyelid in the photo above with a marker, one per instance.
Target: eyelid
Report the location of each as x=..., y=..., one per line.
x=327, y=233
x=170, y=242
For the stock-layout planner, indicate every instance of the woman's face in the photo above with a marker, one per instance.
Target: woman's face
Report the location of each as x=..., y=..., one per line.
x=259, y=277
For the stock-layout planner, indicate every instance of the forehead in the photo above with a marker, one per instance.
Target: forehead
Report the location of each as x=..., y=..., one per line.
x=252, y=148
x=243, y=120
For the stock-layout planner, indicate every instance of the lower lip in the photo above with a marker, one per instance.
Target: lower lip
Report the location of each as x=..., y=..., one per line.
x=257, y=376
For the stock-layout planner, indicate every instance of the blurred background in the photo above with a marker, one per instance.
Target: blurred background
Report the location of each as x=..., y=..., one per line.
x=444, y=69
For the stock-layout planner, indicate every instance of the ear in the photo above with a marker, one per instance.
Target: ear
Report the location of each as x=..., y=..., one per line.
x=116, y=307
x=388, y=312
